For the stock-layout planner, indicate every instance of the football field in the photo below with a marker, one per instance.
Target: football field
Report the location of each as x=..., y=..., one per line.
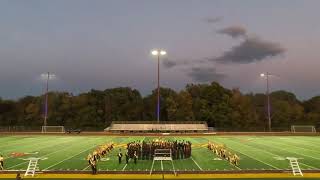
x=68, y=153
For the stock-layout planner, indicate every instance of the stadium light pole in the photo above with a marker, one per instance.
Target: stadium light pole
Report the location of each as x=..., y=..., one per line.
x=266, y=75
x=47, y=76
x=158, y=53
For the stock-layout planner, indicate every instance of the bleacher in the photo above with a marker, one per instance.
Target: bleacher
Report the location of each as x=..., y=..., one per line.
x=153, y=126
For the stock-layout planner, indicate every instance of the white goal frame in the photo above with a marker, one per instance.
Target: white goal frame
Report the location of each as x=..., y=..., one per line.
x=294, y=128
x=162, y=155
x=45, y=130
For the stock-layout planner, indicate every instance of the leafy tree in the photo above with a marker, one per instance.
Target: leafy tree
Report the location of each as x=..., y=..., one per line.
x=220, y=107
x=244, y=116
x=211, y=103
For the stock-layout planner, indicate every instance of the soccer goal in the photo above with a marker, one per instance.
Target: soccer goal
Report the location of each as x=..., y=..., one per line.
x=52, y=129
x=303, y=128
x=162, y=155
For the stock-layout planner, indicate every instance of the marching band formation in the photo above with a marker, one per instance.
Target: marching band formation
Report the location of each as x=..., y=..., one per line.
x=221, y=151
x=145, y=150
x=179, y=149
x=97, y=154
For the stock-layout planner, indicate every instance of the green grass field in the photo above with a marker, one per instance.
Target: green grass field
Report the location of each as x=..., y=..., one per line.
x=69, y=152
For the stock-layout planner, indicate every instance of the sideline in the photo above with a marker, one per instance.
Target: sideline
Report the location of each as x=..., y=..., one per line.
x=166, y=176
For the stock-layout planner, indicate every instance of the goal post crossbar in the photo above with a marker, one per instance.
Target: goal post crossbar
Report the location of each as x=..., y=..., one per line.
x=303, y=128
x=52, y=129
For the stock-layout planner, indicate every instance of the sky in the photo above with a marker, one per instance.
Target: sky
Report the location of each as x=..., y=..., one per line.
x=100, y=44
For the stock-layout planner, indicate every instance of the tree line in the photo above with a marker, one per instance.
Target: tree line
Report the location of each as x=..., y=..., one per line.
x=222, y=108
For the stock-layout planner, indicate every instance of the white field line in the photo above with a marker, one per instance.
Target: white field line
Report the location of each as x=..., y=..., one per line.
x=309, y=166
x=161, y=166
x=124, y=167
x=254, y=158
x=295, y=153
x=305, y=143
x=304, y=149
x=85, y=168
x=289, y=152
x=70, y=157
x=18, y=143
x=294, y=144
x=314, y=140
x=196, y=163
x=18, y=146
x=236, y=166
x=43, y=147
x=143, y=138
x=259, y=150
x=42, y=156
x=21, y=141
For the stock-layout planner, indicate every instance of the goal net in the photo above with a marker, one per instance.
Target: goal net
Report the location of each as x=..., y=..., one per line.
x=306, y=128
x=162, y=155
x=52, y=129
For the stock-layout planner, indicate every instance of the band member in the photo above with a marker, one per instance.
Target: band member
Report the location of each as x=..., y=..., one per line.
x=236, y=159
x=1, y=162
x=135, y=157
x=93, y=165
x=119, y=156
x=127, y=157
x=88, y=158
x=18, y=177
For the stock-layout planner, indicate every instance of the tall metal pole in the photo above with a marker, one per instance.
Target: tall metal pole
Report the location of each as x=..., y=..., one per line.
x=46, y=105
x=268, y=101
x=158, y=106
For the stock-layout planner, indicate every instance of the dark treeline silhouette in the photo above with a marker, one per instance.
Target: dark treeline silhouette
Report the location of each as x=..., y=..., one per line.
x=221, y=108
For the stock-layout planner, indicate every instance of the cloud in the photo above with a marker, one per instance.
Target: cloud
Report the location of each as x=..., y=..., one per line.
x=233, y=31
x=205, y=74
x=252, y=49
x=212, y=20
x=169, y=63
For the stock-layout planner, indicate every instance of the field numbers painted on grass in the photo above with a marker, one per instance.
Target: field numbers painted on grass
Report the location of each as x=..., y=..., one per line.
x=279, y=158
x=32, y=153
x=104, y=159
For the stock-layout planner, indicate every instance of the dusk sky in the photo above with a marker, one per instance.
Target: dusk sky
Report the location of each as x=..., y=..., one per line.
x=103, y=44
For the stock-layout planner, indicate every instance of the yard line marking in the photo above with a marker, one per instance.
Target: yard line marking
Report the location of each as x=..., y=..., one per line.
x=253, y=158
x=161, y=166
x=85, y=168
x=113, y=151
x=236, y=166
x=43, y=147
x=257, y=149
x=289, y=143
x=291, y=151
x=295, y=152
x=18, y=146
x=304, y=143
x=18, y=143
x=124, y=167
x=196, y=163
x=70, y=157
x=42, y=156
x=308, y=165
